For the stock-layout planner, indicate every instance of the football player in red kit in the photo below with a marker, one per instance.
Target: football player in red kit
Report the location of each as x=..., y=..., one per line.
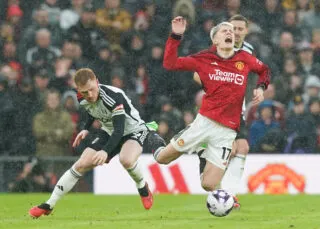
x=223, y=73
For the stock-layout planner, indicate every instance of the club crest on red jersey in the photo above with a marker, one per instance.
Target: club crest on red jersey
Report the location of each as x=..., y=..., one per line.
x=239, y=65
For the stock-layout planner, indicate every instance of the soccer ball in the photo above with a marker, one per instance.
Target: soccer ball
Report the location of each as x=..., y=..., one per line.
x=220, y=202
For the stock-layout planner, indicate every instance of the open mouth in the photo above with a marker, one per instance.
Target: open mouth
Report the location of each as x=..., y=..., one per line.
x=228, y=40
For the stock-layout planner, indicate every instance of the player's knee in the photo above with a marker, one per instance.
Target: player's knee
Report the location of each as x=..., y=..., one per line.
x=79, y=166
x=207, y=185
x=163, y=160
x=127, y=162
x=84, y=164
x=243, y=147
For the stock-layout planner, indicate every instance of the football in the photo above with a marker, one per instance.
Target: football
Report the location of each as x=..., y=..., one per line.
x=220, y=203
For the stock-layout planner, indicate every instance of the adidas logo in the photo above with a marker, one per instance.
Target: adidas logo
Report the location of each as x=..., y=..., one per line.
x=60, y=187
x=214, y=63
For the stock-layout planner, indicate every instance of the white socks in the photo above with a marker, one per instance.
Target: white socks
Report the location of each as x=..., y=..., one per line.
x=64, y=185
x=137, y=175
x=232, y=177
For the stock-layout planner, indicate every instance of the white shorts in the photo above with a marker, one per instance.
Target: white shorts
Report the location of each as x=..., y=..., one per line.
x=201, y=131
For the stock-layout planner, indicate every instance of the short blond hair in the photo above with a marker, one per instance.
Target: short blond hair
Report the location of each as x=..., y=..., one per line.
x=83, y=75
x=215, y=29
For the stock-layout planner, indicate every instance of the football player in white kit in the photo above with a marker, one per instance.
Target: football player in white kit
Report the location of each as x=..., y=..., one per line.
x=124, y=133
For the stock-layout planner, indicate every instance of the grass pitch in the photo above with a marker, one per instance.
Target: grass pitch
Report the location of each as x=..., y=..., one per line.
x=81, y=211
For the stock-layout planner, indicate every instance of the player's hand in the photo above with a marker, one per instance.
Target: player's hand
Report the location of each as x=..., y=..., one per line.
x=79, y=137
x=100, y=157
x=233, y=150
x=179, y=25
x=257, y=96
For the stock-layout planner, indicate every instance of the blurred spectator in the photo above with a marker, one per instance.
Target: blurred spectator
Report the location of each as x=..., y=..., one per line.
x=307, y=65
x=141, y=83
x=71, y=16
x=7, y=117
x=269, y=16
x=314, y=109
x=113, y=20
x=136, y=50
x=232, y=7
x=300, y=128
x=303, y=7
x=253, y=112
x=41, y=21
x=33, y=178
x=53, y=9
x=9, y=57
x=43, y=54
x=158, y=82
x=290, y=24
x=312, y=19
x=53, y=127
x=164, y=129
x=11, y=74
x=7, y=34
x=41, y=81
x=287, y=86
x=201, y=36
x=186, y=9
x=26, y=106
x=316, y=44
x=285, y=48
x=14, y=16
x=188, y=117
x=86, y=34
x=170, y=113
x=70, y=103
x=289, y=82
x=265, y=133
x=312, y=88
x=103, y=63
x=118, y=78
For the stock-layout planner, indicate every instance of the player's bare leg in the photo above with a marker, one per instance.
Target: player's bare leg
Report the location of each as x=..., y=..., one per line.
x=129, y=154
x=66, y=183
x=211, y=176
x=164, y=155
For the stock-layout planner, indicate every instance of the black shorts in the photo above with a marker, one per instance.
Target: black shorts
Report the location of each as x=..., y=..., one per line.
x=99, y=139
x=242, y=134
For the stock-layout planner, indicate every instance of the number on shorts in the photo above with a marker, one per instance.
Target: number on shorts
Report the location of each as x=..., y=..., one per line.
x=225, y=149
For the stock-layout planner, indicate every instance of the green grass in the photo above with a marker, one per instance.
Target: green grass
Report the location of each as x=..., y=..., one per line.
x=179, y=212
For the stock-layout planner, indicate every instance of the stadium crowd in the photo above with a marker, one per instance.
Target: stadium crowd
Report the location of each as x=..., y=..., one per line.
x=43, y=42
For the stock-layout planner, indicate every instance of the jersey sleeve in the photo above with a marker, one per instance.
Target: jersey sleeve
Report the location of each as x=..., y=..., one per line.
x=114, y=102
x=171, y=61
x=262, y=70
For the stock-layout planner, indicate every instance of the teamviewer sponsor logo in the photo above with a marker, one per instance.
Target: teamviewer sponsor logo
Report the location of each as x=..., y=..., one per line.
x=230, y=77
x=239, y=79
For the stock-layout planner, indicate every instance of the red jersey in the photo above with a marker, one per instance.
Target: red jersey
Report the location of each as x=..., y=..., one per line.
x=223, y=80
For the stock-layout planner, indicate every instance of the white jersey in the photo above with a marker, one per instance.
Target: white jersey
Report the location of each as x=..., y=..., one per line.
x=249, y=49
x=113, y=101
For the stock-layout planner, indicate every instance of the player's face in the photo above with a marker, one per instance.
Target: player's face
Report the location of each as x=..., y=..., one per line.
x=90, y=91
x=240, y=31
x=225, y=37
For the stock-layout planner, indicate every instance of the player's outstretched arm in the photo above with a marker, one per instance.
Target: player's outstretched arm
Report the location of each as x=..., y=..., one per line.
x=171, y=61
x=197, y=79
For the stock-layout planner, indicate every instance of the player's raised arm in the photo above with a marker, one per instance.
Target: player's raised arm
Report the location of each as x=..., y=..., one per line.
x=171, y=61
